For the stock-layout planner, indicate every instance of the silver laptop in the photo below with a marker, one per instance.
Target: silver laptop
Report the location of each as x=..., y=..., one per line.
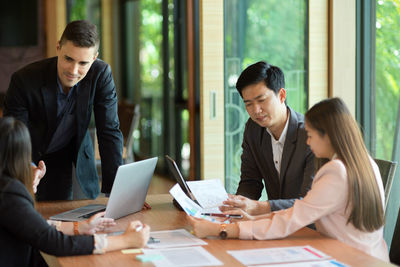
x=127, y=194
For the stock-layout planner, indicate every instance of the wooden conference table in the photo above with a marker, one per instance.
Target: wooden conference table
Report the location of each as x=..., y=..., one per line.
x=164, y=216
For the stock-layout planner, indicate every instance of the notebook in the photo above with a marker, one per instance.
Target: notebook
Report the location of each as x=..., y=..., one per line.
x=127, y=194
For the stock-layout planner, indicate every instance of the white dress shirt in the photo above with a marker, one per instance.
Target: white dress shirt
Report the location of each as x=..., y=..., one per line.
x=277, y=146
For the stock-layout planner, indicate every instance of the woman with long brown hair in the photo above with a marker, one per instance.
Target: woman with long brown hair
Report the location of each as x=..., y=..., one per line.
x=23, y=231
x=346, y=198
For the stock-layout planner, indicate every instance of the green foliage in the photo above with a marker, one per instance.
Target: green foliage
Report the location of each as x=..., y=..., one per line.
x=151, y=48
x=78, y=10
x=274, y=31
x=387, y=74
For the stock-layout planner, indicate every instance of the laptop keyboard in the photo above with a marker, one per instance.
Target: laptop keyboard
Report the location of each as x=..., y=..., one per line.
x=88, y=215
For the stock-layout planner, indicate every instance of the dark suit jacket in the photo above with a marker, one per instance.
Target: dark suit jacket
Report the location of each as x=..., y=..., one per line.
x=23, y=231
x=32, y=98
x=297, y=165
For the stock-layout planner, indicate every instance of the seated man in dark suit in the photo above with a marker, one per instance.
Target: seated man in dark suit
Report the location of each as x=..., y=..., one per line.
x=274, y=145
x=55, y=98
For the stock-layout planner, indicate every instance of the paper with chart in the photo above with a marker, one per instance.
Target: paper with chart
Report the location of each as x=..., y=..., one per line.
x=175, y=238
x=278, y=255
x=188, y=256
x=209, y=193
x=186, y=203
x=189, y=206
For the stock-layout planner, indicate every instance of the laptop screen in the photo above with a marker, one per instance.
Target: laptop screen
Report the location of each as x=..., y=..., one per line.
x=179, y=178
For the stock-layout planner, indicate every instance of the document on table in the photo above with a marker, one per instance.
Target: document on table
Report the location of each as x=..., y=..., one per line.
x=323, y=263
x=209, y=193
x=278, y=255
x=188, y=256
x=175, y=238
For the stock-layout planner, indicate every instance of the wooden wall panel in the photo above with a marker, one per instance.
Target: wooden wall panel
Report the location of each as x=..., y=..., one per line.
x=212, y=82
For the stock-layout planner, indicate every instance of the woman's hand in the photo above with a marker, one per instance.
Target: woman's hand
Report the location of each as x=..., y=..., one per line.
x=38, y=173
x=94, y=224
x=203, y=228
x=134, y=238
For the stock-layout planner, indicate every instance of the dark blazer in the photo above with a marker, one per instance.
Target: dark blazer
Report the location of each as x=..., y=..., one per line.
x=297, y=165
x=23, y=231
x=32, y=98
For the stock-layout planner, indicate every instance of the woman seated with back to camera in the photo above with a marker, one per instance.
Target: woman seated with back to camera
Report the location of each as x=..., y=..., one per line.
x=346, y=198
x=23, y=231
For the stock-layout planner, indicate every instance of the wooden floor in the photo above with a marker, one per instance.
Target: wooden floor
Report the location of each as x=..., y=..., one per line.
x=160, y=184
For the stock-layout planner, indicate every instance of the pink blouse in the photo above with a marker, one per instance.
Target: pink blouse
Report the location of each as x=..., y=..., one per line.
x=325, y=205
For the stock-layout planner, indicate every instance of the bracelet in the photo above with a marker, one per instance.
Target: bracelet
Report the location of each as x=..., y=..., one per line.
x=76, y=230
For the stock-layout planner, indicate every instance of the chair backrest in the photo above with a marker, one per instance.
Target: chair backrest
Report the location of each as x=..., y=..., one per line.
x=387, y=170
x=394, y=254
x=129, y=115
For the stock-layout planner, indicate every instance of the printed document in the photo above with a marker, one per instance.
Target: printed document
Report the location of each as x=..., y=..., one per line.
x=189, y=206
x=278, y=255
x=209, y=193
x=324, y=263
x=188, y=256
x=174, y=238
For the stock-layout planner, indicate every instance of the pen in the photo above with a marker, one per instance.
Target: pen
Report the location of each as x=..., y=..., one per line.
x=234, y=216
x=153, y=240
x=139, y=228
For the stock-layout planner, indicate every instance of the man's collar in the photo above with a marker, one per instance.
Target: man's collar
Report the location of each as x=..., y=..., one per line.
x=284, y=131
x=60, y=88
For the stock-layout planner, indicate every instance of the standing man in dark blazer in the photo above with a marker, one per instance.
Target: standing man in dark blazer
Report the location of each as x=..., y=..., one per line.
x=55, y=98
x=274, y=144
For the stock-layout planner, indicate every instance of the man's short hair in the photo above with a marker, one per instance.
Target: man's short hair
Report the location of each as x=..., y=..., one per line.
x=261, y=71
x=81, y=33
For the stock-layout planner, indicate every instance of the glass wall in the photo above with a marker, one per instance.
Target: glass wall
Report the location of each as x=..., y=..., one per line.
x=154, y=77
x=387, y=61
x=387, y=98
x=270, y=30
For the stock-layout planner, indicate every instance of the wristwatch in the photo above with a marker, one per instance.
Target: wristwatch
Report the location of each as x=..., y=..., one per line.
x=223, y=234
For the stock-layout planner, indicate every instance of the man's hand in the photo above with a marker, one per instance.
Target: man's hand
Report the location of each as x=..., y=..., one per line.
x=146, y=206
x=38, y=173
x=251, y=207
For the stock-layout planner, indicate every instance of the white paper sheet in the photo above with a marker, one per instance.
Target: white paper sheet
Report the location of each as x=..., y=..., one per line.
x=189, y=256
x=323, y=263
x=209, y=193
x=175, y=238
x=189, y=206
x=186, y=203
x=277, y=255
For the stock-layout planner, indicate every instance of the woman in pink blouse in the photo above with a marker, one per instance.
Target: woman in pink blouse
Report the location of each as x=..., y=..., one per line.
x=346, y=198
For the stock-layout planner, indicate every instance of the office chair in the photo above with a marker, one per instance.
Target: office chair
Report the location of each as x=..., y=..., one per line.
x=394, y=254
x=129, y=115
x=387, y=170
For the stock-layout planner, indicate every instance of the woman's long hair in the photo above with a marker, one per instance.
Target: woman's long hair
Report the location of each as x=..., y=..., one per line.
x=332, y=117
x=15, y=151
